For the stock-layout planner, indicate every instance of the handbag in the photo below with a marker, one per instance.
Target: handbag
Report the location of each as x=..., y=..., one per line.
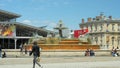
x=38, y=59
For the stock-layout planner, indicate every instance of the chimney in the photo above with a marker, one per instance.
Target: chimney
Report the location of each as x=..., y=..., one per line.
x=83, y=20
x=93, y=19
x=89, y=19
x=110, y=17
x=97, y=18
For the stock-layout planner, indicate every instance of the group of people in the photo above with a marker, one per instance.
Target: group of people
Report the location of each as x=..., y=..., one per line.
x=89, y=52
x=114, y=52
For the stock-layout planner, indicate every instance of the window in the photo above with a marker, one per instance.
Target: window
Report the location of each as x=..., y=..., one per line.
x=91, y=28
x=107, y=24
x=87, y=26
x=118, y=40
x=113, y=41
x=101, y=27
x=113, y=27
x=118, y=27
x=101, y=36
x=95, y=28
x=96, y=39
x=107, y=27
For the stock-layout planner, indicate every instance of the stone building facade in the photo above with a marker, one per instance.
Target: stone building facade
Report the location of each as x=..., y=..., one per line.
x=104, y=31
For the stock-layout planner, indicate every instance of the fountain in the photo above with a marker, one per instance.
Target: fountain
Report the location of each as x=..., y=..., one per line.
x=60, y=43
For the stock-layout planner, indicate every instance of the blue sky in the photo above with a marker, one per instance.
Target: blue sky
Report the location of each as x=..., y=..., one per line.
x=49, y=12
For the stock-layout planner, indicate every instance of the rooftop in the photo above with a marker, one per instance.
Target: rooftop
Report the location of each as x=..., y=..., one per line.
x=8, y=15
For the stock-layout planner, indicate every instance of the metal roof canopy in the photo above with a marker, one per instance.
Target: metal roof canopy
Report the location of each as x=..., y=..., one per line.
x=32, y=28
x=29, y=27
x=26, y=26
x=9, y=15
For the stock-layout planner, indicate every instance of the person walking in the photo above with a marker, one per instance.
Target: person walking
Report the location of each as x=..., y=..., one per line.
x=36, y=54
x=25, y=49
x=21, y=47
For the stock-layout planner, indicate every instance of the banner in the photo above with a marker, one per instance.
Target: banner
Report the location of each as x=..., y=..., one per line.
x=80, y=32
x=7, y=29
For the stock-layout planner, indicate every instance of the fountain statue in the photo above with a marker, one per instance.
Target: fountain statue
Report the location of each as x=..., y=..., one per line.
x=60, y=27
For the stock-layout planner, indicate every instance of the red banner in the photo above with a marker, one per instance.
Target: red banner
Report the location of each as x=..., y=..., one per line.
x=80, y=32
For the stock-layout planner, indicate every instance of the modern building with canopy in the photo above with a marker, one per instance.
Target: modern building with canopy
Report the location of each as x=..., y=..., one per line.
x=13, y=33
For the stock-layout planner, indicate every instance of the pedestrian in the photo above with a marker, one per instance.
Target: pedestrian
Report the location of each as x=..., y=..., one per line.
x=0, y=51
x=92, y=53
x=36, y=54
x=87, y=52
x=21, y=48
x=25, y=50
x=4, y=54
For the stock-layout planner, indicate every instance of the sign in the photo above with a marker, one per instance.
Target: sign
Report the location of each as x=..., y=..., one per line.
x=80, y=32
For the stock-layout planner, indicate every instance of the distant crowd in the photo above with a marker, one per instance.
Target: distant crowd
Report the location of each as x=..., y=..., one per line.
x=89, y=52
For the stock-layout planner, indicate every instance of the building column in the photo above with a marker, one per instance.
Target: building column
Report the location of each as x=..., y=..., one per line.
x=15, y=39
x=15, y=42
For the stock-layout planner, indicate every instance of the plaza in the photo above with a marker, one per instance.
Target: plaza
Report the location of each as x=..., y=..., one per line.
x=57, y=52
x=63, y=62
x=70, y=33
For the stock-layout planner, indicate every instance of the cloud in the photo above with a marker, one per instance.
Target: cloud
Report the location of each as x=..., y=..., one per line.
x=50, y=24
x=27, y=22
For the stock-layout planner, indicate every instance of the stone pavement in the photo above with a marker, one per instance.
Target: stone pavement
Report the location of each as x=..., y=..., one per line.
x=106, y=64
x=63, y=62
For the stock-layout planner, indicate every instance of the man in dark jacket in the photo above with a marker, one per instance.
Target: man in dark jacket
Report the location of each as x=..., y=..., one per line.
x=36, y=53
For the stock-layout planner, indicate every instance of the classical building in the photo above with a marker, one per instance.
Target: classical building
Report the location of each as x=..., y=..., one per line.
x=104, y=31
x=13, y=34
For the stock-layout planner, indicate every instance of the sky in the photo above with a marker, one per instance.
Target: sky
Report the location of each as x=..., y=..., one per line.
x=48, y=12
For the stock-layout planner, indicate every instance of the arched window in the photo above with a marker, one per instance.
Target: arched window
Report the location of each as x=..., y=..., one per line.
x=96, y=39
x=113, y=41
x=101, y=27
x=91, y=28
x=107, y=27
x=95, y=28
x=118, y=40
x=118, y=27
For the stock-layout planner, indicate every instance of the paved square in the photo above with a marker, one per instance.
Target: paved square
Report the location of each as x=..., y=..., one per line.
x=63, y=62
